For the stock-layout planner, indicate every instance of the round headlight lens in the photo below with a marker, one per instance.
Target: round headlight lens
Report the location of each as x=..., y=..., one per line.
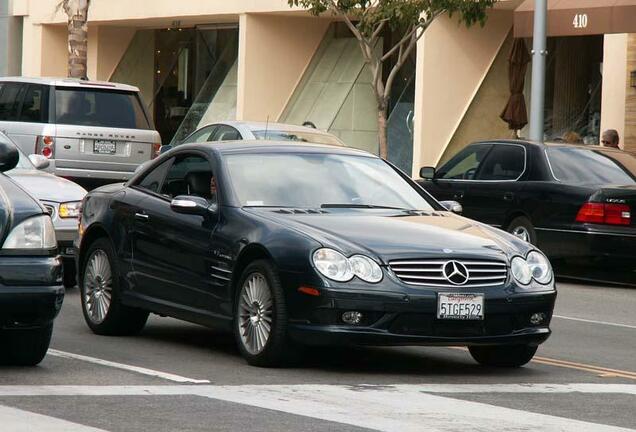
x=539, y=267
x=366, y=269
x=333, y=265
x=521, y=270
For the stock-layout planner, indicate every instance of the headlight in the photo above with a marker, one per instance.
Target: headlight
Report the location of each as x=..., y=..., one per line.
x=333, y=265
x=366, y=269
x=70, y=209
x=539, y=267
x=521, y=270
x=34, y=233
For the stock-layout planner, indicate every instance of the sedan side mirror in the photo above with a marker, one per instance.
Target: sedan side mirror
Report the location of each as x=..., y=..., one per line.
x=427, y=173
x=164, y=148
x=9, y=156
x=40, y=162
x=193, y=205
x=452, y=206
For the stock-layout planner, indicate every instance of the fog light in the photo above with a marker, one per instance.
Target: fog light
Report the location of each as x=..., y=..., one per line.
x=352, y=317
x=537, y=318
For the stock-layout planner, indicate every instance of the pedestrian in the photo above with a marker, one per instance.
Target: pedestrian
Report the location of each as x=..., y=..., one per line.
x=610, y=138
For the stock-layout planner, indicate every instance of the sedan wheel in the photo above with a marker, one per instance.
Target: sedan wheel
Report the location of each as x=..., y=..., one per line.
x=255, y=313
x=522, y=228
x=98, y=286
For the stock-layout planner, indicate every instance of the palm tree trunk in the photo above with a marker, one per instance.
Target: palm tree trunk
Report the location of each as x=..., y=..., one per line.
x=77, y=12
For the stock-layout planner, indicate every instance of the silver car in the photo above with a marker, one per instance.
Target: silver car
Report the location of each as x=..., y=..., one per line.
x=86, y=129
x=62, y=198
x=243, y=130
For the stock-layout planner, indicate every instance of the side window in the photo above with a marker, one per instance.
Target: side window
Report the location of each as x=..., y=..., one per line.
x=504, y=162
x=202, y=135
x=465, y=164
x=190, y=175
x=225, y=133
x=35, y=105
x=10, y=100
x=154, y=179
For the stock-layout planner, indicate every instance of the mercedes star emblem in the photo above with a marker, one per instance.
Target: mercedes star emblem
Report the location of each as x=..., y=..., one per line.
x=455, y=272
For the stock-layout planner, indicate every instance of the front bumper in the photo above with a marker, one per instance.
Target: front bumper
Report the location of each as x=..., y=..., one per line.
x=31, y=291
x=392, y=318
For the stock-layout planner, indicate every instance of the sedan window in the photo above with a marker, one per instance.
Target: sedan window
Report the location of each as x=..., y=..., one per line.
x=465, y=164
x=189, y=175
x=201, y=135
x=592, y=166
x=280, y=135
x=504, y=162
x=153, y=180
x=225, y=133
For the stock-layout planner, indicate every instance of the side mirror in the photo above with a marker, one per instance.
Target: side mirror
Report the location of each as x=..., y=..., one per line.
x=165, y=148
x=192, y=205
x=9, y=156
x=452, y=206
x=427, y=173
x=40, y=162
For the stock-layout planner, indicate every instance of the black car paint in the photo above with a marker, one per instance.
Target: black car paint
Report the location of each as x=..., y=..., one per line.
x=31, y=291
x=604, y=252
x=194, y=262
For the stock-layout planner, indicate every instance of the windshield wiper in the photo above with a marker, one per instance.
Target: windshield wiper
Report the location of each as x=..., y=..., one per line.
x=364, y=206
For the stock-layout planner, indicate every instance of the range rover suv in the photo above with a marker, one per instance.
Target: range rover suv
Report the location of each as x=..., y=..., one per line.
x=87, y=129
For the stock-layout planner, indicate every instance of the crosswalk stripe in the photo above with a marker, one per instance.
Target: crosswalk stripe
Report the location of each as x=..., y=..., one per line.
x=16, y=420
x=384, y=408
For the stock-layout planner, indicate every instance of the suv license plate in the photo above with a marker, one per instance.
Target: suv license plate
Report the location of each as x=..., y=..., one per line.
x=460, y=306
x=105, y=147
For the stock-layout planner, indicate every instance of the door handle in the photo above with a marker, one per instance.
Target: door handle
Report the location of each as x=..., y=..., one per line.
x=508, y=196
x=459, y=195
x=142, y=217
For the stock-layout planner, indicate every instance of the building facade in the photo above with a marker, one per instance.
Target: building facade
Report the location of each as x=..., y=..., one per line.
x=201, y=61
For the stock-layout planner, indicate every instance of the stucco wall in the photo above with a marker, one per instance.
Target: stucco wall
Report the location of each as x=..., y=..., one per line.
x=629, y=139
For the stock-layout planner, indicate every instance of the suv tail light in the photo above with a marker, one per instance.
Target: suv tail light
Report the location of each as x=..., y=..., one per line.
x=609, y=214
x=45, y=146
x=156, y=150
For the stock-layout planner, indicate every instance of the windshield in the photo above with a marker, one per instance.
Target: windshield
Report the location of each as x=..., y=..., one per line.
x=97, y=107
x=592, y=166
x=320, y=180
x=280, y=135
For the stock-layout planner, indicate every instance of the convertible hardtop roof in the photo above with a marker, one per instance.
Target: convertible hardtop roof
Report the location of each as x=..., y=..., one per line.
x=264, y=146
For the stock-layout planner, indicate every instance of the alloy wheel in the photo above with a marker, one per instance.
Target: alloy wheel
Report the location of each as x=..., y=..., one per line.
x=255, y=313
x=98, y=286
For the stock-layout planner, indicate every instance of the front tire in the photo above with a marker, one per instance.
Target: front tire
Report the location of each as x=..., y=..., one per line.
x=522, y=228
x=101, y=294
x=512, y=356
x=260, y=316
x=26, y=347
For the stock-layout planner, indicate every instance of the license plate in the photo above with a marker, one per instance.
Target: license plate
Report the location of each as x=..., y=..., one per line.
x=460, y=306
x=105, y=147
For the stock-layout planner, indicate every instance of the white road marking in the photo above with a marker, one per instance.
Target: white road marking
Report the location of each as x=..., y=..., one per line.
x=15, y=420
x=130, y=368
x=595, y=322
x=385, y=408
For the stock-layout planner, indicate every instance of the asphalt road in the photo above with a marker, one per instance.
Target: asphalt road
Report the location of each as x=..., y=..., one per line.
x=176, y=376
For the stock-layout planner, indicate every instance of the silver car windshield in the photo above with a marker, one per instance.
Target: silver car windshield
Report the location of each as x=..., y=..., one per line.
x=320, y=180
x=302, y=136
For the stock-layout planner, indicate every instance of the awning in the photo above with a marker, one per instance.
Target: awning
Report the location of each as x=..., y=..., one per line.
x=579, y=17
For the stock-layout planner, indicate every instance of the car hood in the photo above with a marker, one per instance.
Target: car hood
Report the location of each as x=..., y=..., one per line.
x=47, y=187
x=391, y=235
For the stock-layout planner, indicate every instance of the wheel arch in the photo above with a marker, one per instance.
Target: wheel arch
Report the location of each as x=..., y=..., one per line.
x=248, y=254
x=93, y=233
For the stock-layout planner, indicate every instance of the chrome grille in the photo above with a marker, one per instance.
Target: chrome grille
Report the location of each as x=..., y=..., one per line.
x=429, y=272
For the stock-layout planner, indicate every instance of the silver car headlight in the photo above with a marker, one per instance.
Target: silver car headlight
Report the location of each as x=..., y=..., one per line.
x=70, y=210
x=366, y=269
x=333, y=265
x=535, y=266
x=34, y=233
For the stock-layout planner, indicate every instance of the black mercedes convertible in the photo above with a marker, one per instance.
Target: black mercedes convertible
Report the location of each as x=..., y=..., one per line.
x=286, y=244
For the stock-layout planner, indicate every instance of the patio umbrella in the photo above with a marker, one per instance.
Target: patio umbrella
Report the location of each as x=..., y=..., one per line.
x=515, y=113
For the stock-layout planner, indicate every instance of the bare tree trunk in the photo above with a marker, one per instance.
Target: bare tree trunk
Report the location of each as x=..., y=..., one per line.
x=382, y=133
x=77, y=12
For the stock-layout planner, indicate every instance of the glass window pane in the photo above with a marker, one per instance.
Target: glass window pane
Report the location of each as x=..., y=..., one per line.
x=202, y=135
x=96, y=107
x=36, y=104
x=189, y=175
x=586, y=166
x=10, y=101
x=153, y=180
x=465, y=164
x=279, y=135
x=504, y=162
x=225, y=133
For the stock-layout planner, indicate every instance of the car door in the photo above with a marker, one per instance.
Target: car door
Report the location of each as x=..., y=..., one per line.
x=171, y=250
x=495, y=191
x=453, y=178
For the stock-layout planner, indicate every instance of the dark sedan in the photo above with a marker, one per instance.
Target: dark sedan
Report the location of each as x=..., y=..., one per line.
x=574, y=202
x=31, y=291
x=287, y=244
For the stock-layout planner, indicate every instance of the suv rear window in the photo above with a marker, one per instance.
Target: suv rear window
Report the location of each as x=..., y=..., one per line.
x=97, y=107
